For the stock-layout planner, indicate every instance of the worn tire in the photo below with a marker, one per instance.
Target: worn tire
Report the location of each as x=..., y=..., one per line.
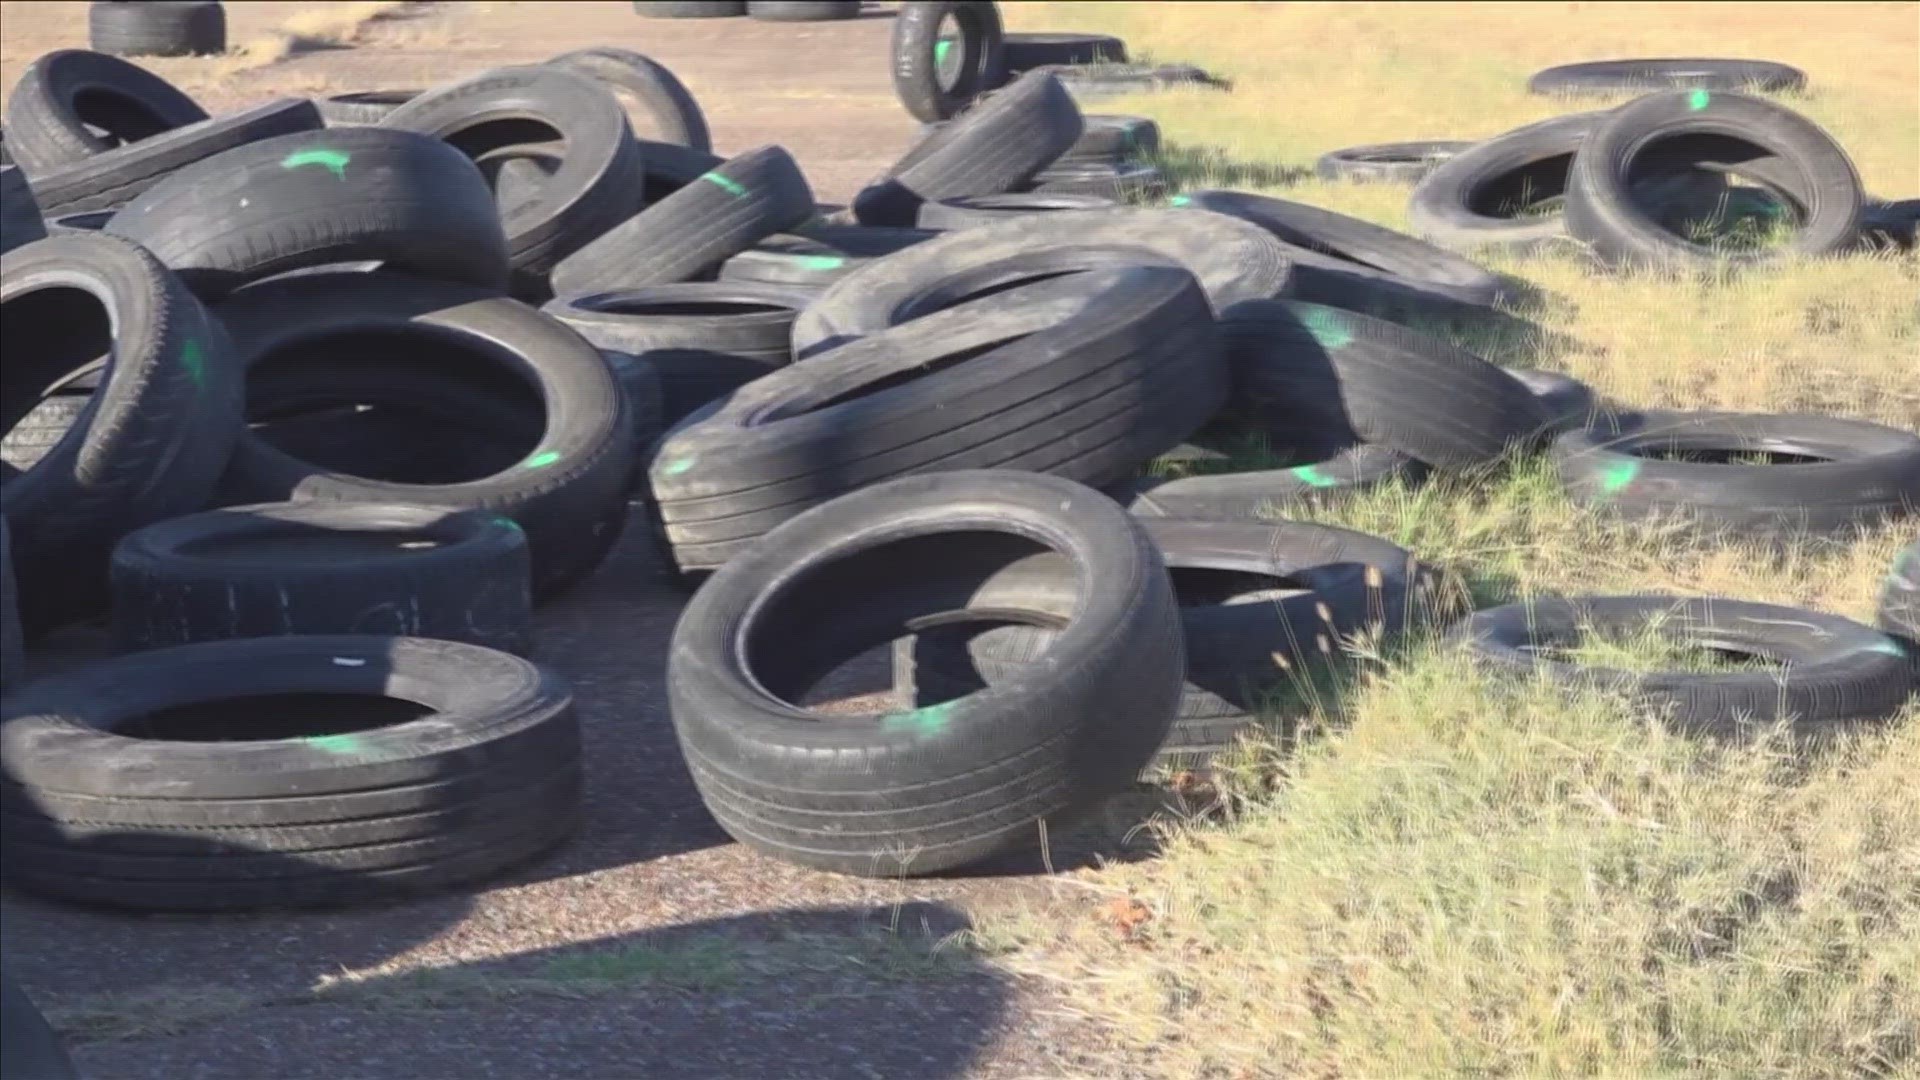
x=113, y=178
x=1027, y=51
x=1086, y=377
x=995, y=147
x=29, y=1049
x=1460, y=204
x=920, y=65
x=1835, y=670
x=1613, y=76
x=803, y=10
x=704, y=340
x=1234, y=261
x=1568, y=402
x=694, y=230
x=1114, y=137
x=1119, y=181
x=689, y=9
x=20, y=220
x=817, y=255
x=597, y=184
x=323, y=568
x=659, y=92
x=1089, y=81
x=932, y=789
x=1603, y=210
x=1899, y=612
x=408, y=201
x=1261, y=495
x=85, y=221
x=969, y=212
x=568, y=490
x=1401, y=162
x=72, y=104
x=92, y=812
x=153, y=439
x=1863, y=473
x=157, y=28
x=13, y=649
x=362, y=107
x=1387, y=384
x=1240, y=648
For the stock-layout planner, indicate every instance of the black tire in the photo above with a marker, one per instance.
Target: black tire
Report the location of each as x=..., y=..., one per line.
x=1890, y=224
x=109, y=180
x=1091, y=81
x=694, y=230
x=1480, y=196
x=1568, y=402
x=13, y=649
x=568, y=489
x=85, y=221
x=72, y=104
x=149, y=445
x=29, y=1049
x=1113, y=137
x=1899, y=612
x=597, y=184
x=1028, y=51
x=408, y=201
x=676, y=114
x=1604, y=210
x=818, y=255
x=1340, y=370
x=323, y=568
x=930, y=85
x=1234, y=261
x=935, y=788
x=1401, y=162
x=1122, y=182
x=39, y=431
x=689, y=9
x=803, y=10
x=1086, y=378
x=670, y=167
x=995, y=147
x=157, y=28
x=1261, y=495
x=1349, y=263
x=704, y=340
x=1615, y=76
x=109, y=810
x=20, y=220
x=1241, y=647
x=1832, y=669
x=363, y=107
x=1859, y=473
x=968, y=212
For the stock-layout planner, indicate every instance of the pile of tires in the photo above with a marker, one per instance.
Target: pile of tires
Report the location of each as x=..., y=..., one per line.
x=327, y=405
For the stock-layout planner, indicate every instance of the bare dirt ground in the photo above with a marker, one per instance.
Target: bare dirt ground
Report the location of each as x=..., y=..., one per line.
x=703, y=960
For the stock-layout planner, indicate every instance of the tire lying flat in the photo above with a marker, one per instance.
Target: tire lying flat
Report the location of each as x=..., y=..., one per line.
x=1834, y=670
x=929, y=789
x=329, y=802
x=1401, y=162
x=1612, y=76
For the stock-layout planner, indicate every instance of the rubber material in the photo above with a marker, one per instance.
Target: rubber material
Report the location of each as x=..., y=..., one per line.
x=1833, y=669
x=20, y=220
x=930, y=84
x=158, y=28
x=568, y=490
x=1262, y=495
x=1026, y=51
x=1400, y=162
x=101, y=811
x=1086, y=377
x=362, y=107
x=1106, y=80
x=676, y=114
x=1899, y=612
x=29, y=1049
x=1864, y=473
x=1113, y=137
x=13, y=649
x=703, y=340
x=149, y=445
x=803, y=10
x=965, y=213
x=1234, y=261
x=323, y=568
x=72, y=104
x=1126, y=181
x=925, y=790
x=689, y=9
x=818, y=255
x=1475, y=198
x=408, y=201
x=694, y=230
x=1612, y=76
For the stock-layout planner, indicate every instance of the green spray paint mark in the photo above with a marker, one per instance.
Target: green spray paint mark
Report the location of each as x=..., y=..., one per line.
x=335, y=744
x=1313, y=477
x=1618, y=475
x=677, y=466
x=1179, y=200
x=1327, y=327
x=1888, y=646
x=821, y=262
x=194, y=361
x=508, y=523
x=931, y=720
x=1698, y=100
x=542, y=460
x=940, y=50
x=334, y=161
x=725, y=184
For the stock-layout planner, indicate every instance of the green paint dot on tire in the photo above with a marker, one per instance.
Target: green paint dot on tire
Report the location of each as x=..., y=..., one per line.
x=195, y=361
x=1312, y=476
x=1328, y=327
x=931, y=720
x=820, y=262
x=334, y=161
x=724, y=183
x=542, y=460
x=1618, y=475
x=1698, y=100
x=940, y=50
x=677, y=466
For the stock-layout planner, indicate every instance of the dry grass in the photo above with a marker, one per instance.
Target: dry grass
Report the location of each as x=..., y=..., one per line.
x=1449, y=876
x=333, y=24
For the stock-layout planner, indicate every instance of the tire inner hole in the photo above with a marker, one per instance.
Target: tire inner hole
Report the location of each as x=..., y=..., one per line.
x=51, y=334
x=116, y=118
x=1652, y=647
x=1718, y=456
x=261, y=717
